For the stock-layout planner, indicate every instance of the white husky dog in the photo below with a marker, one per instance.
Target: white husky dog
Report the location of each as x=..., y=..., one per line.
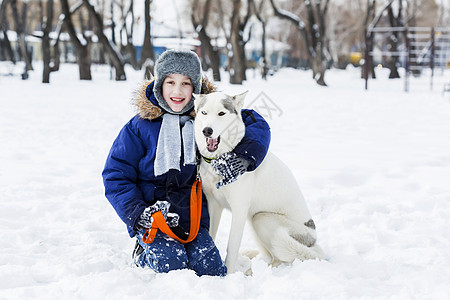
x=269, y=197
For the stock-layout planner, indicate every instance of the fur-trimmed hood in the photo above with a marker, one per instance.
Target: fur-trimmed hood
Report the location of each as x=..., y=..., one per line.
x=147, y=106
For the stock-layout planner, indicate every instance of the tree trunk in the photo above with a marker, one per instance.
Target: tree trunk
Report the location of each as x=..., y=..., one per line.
x=6, y=47
x=129, y=48
x=113, y=24
x=369, y=60
x=393, y=42
x=3, y=21
x=130, y=35
x=147, y=54
x=46, y=28
x=213, y=54
x=238, y=63
x=20, y=29
x=56, y=59
x=208, y=50
x=115, y=56
x=5, y=44
x=81, y=51
x=263, y=63
x=368, y=38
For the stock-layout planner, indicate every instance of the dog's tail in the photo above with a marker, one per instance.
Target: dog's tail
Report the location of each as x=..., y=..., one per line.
x=287, y=248
x=283, y=244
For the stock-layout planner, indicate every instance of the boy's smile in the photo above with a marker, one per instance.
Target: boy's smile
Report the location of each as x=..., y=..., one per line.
x=177, y=91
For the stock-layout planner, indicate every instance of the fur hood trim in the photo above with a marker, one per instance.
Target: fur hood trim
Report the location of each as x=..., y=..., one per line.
x=147, y=110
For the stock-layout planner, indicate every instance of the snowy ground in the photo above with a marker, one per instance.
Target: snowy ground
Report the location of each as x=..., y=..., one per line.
x=374, y=167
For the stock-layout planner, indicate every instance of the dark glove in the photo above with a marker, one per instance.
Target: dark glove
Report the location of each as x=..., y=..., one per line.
x=229, y=166
x=146, y=219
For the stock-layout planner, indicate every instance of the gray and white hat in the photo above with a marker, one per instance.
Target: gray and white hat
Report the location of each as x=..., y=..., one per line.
x=183, y=62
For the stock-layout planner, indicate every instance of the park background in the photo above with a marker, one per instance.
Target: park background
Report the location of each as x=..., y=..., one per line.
x=371, y=157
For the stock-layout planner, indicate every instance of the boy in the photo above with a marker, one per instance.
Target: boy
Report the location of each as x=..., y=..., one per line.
x=152, y=165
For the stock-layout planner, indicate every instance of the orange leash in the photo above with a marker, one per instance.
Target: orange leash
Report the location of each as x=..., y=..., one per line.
x=160, y=223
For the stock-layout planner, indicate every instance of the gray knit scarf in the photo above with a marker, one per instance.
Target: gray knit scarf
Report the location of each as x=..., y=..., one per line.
x=168, y=150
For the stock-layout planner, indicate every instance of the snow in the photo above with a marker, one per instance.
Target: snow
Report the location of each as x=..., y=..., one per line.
x=373, y=165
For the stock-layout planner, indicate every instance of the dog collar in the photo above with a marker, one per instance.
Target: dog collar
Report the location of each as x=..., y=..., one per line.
x=207, y=159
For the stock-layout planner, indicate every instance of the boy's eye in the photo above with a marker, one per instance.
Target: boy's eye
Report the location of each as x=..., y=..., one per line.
x=169, y=82
x=221, y=113
x=186, y=83
x=203, y=112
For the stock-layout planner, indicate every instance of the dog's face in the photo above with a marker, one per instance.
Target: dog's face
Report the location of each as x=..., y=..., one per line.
x=218, y=123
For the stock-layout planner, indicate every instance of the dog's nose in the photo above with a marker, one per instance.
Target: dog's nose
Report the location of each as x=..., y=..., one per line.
x=207, y=131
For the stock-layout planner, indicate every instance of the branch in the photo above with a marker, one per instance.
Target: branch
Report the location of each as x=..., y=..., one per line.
x=257, y=11
x=222, y=24
x=298, y=22
x=321, y=13
x=65, y=17
x=194, y=21
x=247, y=16
x=249, y=35
x=284, y=14
x=370, y=9
x=378, y=16
x=325, y=8
x=76, y=6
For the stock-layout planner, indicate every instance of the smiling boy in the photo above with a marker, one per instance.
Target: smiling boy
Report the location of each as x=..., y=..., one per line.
x=151, y=167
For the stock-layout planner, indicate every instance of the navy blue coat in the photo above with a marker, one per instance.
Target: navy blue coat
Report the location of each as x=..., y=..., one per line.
x=128, y=176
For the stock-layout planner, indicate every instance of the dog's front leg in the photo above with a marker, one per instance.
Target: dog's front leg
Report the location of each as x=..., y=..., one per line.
x=234, y=241
x=215, y=213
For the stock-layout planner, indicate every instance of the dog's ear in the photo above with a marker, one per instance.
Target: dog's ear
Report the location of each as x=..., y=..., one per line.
x=196, y=98
x=240, y=100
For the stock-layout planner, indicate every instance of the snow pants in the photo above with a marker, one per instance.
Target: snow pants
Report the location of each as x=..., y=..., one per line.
x=166, y=254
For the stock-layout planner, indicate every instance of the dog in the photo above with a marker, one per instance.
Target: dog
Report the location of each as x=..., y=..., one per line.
x=269, y=197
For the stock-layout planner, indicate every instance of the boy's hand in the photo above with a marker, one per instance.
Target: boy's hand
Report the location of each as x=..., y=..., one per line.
x=146, y=219
x=229, y=166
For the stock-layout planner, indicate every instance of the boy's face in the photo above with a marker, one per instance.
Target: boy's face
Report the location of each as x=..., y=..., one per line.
x=177, y=91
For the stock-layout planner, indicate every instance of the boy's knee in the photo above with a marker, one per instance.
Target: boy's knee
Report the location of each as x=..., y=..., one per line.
x=204, y=257
x=163, y=255
x=167, y=261
x=209, y=263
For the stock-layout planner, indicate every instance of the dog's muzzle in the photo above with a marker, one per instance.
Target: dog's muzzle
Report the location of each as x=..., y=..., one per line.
x=211, y=143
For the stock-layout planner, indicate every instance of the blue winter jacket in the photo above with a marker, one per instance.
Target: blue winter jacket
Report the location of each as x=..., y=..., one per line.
x=128, y=176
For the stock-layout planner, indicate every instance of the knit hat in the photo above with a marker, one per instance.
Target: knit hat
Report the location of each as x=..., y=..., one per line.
x=183, y=62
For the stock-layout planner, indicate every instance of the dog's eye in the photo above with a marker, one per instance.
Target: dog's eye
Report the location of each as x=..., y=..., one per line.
x=203, y=112
x=221, y=113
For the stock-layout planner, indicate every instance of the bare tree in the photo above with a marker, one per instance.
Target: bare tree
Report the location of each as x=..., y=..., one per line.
x=225, y=32
x=81, y=49
x=368, y=38
x=372, y=20
x=5, y=44
x=393, y=39
x=111, y=49
x=210, y=54
x=238, y=61
x=46, y=52
x=259, y=14
x=147, y=54
x=20, y=24
x=345, y=34
x=128, y=48
x=113, y=23
x=313, y=34
x=5, y=47
x=54, y=44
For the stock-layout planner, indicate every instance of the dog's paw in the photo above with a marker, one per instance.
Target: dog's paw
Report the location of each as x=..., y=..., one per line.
x=244, y=265
x=250, y=253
